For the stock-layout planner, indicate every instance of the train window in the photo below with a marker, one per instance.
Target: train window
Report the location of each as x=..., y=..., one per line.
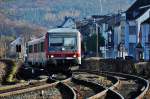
x=30, y=49
x=56, y=42
x=39, y=47
x=69, y=41
x=35, y=48
x=42, y=46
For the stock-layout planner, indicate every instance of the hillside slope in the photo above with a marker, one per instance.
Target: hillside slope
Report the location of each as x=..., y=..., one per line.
x=49, y=13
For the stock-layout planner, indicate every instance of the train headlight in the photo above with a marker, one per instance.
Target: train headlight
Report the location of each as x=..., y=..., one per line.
x=74, y=56
x=52, y=56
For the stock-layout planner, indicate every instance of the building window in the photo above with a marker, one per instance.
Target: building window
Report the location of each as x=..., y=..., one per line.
x=132, y=30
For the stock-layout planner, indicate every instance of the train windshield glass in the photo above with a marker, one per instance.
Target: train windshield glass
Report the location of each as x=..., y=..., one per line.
x=62, y=43
x=56, y=41
x=69, y=42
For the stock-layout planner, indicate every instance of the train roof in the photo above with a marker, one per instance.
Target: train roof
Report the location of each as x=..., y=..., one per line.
x=35, y=41
x=56, y=30
x=59, y=30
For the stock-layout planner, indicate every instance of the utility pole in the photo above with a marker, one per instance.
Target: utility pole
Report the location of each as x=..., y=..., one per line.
x=101, y=7
x=97, y=39
x=97, y=48
x=5, y=47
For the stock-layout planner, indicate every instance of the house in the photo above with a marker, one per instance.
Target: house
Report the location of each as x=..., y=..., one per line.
x=69, y=22
x=115, y=39
x=13, y=48
x=137, y=30
x=111, y=27
x=87, y=26
x=90, y=26
x=145, y=30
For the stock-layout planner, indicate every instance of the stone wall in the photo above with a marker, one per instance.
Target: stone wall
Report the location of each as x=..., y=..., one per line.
x=113, y=65
x=143, y=68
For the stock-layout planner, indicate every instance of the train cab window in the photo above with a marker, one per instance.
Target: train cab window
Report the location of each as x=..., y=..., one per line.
x=42, y=46
x=35, y=48
x=30, y=48
x=69, y=42
x=56, y=42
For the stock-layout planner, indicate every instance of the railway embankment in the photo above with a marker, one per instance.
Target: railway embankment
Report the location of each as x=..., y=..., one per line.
x=117, y=65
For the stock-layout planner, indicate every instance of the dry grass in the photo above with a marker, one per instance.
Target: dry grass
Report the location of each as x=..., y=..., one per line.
x=8, y=70
x=147, y=96
x=2, y=70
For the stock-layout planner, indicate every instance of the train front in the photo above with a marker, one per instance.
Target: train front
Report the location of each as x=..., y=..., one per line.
x=63, y=49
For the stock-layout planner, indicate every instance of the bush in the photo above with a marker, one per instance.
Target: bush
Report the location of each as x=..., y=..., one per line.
x=13, y=71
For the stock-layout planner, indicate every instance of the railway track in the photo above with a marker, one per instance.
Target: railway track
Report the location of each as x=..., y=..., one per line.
x=51, y=91
x=99, y=79
x=125, y=85
x=83, y=84
x=131, y=86
x=106, y=82
x=84, y=89
x=56, y=90
x=70, y=88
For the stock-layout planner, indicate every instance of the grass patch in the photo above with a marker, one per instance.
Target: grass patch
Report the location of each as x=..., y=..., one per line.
x=2, y=88
x=11, y=70
x=2, y=70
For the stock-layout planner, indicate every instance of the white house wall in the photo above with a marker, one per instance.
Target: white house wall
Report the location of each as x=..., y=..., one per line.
x=116, y=40
x=145, y=33
x=127, y=36
x=69, y=24
x=117, y=36
x=141, y=19
x=104, y=34
x=104, y=28
x=132, y=38
x=12, y=50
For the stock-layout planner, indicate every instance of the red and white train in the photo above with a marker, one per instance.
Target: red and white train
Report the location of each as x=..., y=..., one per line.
x=59, y=49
